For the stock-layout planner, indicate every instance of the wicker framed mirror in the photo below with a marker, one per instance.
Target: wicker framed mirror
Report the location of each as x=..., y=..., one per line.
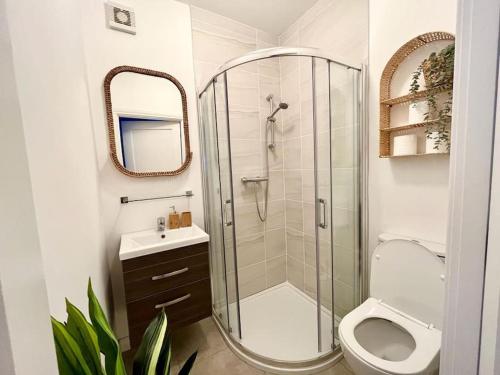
x=148, y=128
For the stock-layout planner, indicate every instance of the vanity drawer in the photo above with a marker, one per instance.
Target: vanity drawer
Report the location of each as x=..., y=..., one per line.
x=144, y=282
x=183, y=305
x=164, y=257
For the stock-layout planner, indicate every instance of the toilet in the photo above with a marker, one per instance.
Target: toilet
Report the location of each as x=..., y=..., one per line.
x=397, y=330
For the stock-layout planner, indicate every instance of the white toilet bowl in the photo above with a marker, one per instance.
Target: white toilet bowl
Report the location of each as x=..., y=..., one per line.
x=397, y=330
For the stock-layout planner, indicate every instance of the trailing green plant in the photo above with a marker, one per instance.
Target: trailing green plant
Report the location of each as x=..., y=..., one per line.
x=438, y=71
x=80, y=343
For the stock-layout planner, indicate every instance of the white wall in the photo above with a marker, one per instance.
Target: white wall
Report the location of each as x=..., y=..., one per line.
x=490, y=331
x=50, y=75
x=409, y=195
x=163, y=42
x=26, y=345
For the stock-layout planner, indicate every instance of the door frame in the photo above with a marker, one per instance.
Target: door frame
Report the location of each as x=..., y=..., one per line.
x=470, y=179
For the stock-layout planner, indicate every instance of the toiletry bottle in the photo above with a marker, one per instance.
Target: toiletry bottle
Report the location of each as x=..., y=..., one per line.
x=173, y=219
x=186, y=220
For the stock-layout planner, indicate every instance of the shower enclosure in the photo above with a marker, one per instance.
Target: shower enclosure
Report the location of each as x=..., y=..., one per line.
x=281, y=140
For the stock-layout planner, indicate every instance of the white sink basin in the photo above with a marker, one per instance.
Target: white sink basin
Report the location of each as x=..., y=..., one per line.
x=148, y=242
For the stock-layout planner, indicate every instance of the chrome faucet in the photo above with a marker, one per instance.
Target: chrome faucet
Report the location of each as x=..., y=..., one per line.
x=160, y=224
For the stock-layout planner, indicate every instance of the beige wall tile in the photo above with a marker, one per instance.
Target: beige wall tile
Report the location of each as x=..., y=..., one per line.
x=252, y=279
x=218, y=49
x=344, y=265
x=276, y=271
x=310, y=281
x=293, y=184
x=307, y=151
x=292, y=153
x=343, y=188
x=294, y=215
x=250, y=249
x=268, y=86
x=276, y=157
x=291, y=122
x=295, y=272
x=266, y=127
x=309, y=219
x=228, y=24
x=269, y=67
x=275, y=215
x=310, y=250
x=344, y=296
x=308, y=186
x=275, y=243
x=241, y=77
x=276, y=186
x=343, y=148
x=295, y=244
x=244, y=193
x=248, y=123
x=243, y=96
x=343, y=228
x=246, y=220
x=326, y=290
x=268, y=38
x=245, y=147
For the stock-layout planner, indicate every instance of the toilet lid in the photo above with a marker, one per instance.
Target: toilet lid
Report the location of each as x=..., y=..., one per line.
x=410, y=278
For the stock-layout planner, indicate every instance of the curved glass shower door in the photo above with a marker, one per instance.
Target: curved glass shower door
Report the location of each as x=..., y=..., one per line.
x=280, y=138
x=219, y=207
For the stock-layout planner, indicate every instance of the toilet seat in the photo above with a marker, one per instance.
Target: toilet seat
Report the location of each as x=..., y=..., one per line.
x=427, y=339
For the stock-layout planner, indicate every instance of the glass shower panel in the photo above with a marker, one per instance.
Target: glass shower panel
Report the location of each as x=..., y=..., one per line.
x=322, y=179
x=227, y=201
x=213, y=210
x=344, y=99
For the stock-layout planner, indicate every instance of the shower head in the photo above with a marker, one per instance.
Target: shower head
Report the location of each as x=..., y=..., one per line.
x=280, y=106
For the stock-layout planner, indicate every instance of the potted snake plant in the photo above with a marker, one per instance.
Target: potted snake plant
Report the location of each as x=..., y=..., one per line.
x=80, y=343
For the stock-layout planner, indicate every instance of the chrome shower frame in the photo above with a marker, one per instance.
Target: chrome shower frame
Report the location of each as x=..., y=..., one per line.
x=361, y=194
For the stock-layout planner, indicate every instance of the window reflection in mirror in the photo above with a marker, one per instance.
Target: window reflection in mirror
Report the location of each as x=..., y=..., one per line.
x=150, y=144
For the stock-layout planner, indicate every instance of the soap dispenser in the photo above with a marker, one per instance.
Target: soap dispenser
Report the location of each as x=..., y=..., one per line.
x=173, y=219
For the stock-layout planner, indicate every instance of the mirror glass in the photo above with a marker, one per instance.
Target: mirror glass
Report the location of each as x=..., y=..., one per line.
x=148, y=123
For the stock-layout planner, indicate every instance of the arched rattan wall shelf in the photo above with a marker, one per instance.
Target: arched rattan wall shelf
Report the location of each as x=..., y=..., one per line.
x=386, y=101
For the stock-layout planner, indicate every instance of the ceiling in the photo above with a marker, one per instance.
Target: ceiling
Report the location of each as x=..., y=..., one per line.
x=273, y=16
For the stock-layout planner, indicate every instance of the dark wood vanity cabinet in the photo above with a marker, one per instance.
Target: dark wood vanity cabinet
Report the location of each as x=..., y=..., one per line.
x=177, y=280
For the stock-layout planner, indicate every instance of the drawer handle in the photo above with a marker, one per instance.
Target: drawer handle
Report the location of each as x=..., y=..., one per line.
x=170, y=274
x=173, y=302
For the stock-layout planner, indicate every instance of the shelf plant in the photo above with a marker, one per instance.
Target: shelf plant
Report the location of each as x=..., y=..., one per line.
x=437, y=70
x=80, y=343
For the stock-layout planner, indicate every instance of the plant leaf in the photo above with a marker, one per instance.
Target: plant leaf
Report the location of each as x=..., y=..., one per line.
x=69, y=356
x=84, y=334
x=63, y=363
x=163, y=366
x=107, y=341
x=188, y=365
x=148, y=354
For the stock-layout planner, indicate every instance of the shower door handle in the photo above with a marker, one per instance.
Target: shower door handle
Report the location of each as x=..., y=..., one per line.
x=227, y=222
x=323, y=221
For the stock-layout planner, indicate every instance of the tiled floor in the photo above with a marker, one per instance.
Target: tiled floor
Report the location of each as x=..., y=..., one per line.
x=214, y=357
